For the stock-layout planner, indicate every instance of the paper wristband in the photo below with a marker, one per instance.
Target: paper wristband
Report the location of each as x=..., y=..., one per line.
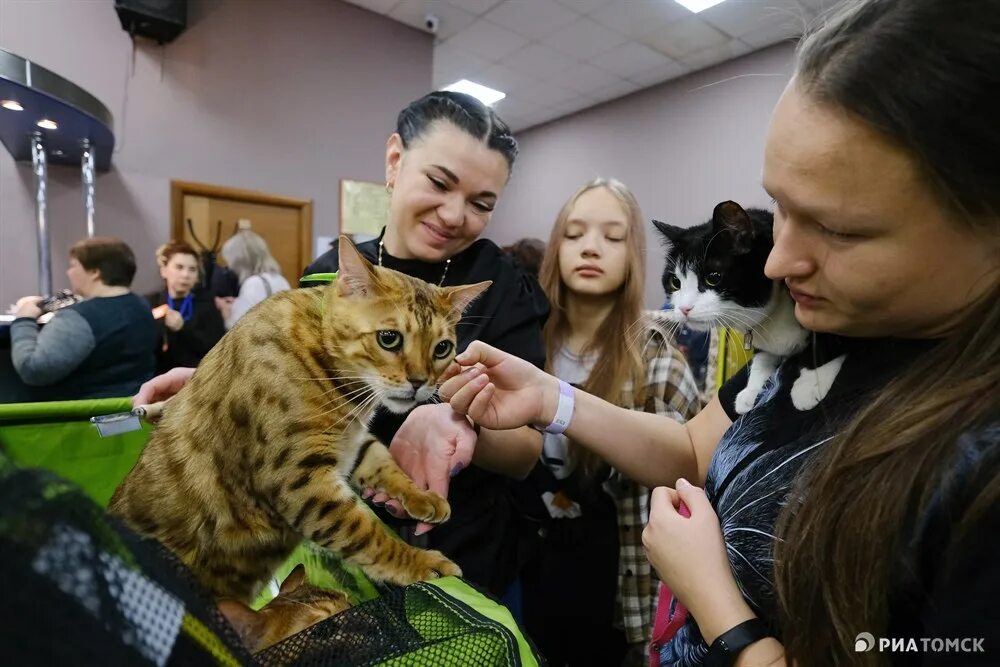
x=564, y=410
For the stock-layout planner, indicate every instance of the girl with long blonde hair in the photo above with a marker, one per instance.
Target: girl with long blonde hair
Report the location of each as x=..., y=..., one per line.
x=588, y=577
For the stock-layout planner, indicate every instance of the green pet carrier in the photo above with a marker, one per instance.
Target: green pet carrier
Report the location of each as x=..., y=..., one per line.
x=80, y=588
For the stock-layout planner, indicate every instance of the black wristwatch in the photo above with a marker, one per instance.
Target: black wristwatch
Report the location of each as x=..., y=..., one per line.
x=725, y=648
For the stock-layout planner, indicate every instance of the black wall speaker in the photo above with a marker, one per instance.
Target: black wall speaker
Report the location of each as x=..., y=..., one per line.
x=161, y=20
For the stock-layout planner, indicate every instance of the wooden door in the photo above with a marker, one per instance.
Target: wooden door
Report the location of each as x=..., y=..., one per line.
x=284, y=222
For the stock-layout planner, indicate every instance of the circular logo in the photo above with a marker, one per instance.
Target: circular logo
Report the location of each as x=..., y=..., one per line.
x=864, y=642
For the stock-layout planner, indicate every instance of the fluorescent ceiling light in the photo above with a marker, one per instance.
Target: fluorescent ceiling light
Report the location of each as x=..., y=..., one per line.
x=487, y=96
x=12, y=105
x=47, y=124
x=698, y=5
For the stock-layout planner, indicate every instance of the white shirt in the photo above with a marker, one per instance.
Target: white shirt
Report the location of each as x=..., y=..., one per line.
x=254, y=290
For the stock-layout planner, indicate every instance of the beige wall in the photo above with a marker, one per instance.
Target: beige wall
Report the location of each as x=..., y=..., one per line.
x=284, y=97
x=682, y=147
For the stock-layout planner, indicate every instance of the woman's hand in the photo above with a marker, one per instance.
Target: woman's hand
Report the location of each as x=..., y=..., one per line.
x=498, y=390
x=173, y=320
x=433, y=445
x=162, y=387
x=689, y=554
x=27, y=306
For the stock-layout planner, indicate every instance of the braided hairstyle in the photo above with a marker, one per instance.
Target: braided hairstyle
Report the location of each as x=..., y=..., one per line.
x=464, y=112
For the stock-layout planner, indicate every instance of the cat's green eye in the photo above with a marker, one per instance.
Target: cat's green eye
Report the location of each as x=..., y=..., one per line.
x=713, y=279
x=389, y=339
x=443, y=349
x=674, y=282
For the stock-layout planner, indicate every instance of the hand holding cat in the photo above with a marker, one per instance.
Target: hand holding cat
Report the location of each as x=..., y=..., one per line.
x=689, y=554
x=432, y=445
x=162, y=387
x=27, y=306
x=498, y=390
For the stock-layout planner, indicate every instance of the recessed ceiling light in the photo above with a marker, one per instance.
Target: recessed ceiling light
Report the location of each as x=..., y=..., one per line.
x=698, y=5
x=487, y=96
x=47, y=124
x=11, y=105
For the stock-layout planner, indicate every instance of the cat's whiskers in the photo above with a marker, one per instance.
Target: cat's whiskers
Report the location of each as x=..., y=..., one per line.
x=343, y=399
x=347, y=401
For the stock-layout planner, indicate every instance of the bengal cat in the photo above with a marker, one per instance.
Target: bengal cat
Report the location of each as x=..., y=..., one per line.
x=268, y=443
x=297, y=606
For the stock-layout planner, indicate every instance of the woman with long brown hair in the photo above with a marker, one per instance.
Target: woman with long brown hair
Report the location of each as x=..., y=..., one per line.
x=862, y=530
x=598, y=338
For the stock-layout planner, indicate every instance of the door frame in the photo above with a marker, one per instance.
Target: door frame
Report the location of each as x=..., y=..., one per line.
x=179, y=189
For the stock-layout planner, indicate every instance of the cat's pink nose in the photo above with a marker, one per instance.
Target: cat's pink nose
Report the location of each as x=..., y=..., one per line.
x=685, y=310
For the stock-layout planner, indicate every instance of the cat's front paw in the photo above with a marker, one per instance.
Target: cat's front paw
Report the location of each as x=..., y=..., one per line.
x=433, y=565
x=426, y=506
x=745, y=400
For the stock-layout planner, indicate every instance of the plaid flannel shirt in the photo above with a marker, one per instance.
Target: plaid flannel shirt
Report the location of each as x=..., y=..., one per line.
x=671, y=391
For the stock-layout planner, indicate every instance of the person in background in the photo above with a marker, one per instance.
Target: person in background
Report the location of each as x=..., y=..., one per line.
x=527, y=255
x=100, y=347
x=247, y=254
x=589, y=576
x=188, y=321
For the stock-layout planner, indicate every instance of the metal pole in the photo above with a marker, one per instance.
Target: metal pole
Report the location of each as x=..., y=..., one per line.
x=87, y=172
x=41, y=177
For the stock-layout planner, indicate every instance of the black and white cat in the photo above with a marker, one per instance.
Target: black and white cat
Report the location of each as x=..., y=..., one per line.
x=714, y=276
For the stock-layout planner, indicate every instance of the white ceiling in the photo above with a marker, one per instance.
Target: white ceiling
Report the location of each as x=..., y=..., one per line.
x=555, y=57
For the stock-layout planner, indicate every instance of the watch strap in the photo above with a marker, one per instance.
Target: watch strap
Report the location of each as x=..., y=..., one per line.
x=725, y=648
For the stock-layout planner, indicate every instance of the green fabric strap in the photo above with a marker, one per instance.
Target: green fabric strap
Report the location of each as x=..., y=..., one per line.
x=314, y=279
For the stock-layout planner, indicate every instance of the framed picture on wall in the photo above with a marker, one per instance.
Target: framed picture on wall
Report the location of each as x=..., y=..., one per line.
x=364, y=207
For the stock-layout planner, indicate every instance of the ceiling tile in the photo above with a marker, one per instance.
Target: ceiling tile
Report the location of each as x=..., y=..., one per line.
x=683, y=38
x=487, y=40
x=572, y=106
x=538, y=61
x=659, y=74
x=502, y=78
x=478, y=7
x=532, y=18
x=716, y=54
x=772, y=35
x=547, y=94
x=516, y=105
x=637, y=17
x=452, y=63
x=586, y=6
x=379, y=6
x=739, y=17
x=620, y=89
x=584, y=39
x=452, y=19
x=584, y=78
x=631, y=58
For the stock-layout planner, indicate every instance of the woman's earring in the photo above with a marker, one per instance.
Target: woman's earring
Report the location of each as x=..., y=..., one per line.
x=388, y=187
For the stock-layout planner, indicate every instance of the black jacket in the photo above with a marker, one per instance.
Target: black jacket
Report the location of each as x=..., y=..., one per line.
x=188, y=346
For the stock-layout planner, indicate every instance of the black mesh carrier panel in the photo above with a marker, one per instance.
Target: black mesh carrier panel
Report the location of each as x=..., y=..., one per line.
x=78, y=588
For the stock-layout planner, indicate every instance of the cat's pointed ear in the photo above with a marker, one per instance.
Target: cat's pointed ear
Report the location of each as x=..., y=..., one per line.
x=670, y=232
x=730, y=217
x=463, y=295
x=355, y=276
x=295, y=578
x=245, y=621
